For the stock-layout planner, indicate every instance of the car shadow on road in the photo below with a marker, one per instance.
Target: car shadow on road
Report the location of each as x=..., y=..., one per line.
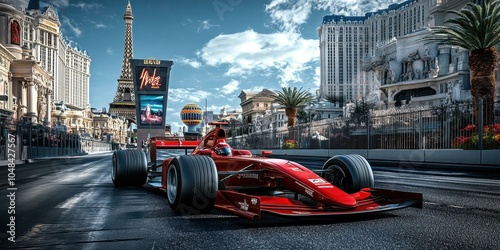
x=270, y=220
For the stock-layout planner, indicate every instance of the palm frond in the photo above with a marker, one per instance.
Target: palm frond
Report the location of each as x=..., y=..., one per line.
x=292, y=98
x=477, y=26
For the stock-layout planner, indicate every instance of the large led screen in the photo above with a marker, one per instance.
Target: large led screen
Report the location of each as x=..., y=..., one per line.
x=151, y=110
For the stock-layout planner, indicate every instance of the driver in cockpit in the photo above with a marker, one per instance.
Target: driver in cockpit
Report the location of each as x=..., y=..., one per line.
x=222, y=148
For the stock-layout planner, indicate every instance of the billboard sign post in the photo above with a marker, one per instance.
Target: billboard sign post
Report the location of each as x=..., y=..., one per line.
x=151, y=80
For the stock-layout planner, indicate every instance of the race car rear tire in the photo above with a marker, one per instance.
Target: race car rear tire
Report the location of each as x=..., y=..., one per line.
x=350, y=173
x=192, y=184
x=130, y=168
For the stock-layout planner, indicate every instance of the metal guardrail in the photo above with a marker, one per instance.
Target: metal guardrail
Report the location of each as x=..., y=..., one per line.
x=34, y=141
x=445, y=127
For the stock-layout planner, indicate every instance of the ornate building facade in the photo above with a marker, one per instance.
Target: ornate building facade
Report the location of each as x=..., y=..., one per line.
x=380, y=56
x=259, y=112
x=41, y=66
x=110, y=128
x=6, y=103
x=69, y=65
x=29, y=85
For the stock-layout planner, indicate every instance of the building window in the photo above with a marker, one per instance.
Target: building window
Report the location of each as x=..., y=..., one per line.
x=49, y=39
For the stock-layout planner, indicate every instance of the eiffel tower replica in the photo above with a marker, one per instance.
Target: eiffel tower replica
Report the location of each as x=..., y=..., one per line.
x=124, y=101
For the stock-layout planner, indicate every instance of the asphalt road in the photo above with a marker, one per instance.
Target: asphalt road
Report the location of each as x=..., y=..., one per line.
x=71, y=203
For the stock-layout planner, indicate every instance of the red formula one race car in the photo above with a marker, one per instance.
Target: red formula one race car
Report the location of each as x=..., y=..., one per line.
x=217, y=176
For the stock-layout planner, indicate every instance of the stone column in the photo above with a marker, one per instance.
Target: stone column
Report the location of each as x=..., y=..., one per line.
x=49, y=108
x=444, y=59
x=32, y=100
x=23, y=102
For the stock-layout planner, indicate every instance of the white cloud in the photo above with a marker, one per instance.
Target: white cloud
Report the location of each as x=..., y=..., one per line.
x=19, y=4
x=101, y=26
x=109, y=51
x=286, y=51
x=191, y=62
x=205, y=25
x=76, y=30
x=317, y=77
x=229, y=88
x=188, y=95
x=87, y=5
x=255, y=89
x=290, y=14
x=248, y=51
x=59, y=3
x=80, y=4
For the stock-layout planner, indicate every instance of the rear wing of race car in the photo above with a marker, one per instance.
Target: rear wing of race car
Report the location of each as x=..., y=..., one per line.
x=156, y=143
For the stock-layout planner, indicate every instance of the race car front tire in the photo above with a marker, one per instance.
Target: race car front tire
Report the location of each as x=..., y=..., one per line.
x=192, y=184
x=350, y=173
x=130, y=168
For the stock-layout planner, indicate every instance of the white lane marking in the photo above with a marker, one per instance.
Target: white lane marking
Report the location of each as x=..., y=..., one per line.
x=74, y=200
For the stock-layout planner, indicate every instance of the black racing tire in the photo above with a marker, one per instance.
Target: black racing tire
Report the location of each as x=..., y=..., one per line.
x=350, y=173
x=192, y=184
x=130, y=168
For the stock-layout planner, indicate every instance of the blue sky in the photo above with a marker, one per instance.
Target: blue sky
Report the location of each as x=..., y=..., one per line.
x=219, y=47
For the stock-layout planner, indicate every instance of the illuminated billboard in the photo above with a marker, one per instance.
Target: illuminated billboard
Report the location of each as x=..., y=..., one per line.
x=152, y=109
x=151, y=78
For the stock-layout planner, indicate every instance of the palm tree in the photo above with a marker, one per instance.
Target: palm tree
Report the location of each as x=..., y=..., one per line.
x=477, y=29
x=291, y=99
x=361, y=112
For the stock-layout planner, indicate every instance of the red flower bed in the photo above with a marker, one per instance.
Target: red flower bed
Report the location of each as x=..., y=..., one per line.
x=469, y=138
x=290, y=144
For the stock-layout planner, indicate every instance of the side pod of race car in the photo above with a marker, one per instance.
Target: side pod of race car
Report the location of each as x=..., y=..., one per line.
x=214, y=175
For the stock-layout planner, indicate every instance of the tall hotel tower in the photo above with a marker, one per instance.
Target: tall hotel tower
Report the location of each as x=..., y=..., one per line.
x=69, y=65
x=343, y=41
x=381, y=56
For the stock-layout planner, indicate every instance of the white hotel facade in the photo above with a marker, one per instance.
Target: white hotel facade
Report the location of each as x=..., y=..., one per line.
x=69, y=65
x=40, y=67
x=380, y=56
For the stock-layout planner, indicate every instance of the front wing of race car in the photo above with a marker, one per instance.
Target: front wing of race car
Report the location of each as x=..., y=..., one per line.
x=369, y=200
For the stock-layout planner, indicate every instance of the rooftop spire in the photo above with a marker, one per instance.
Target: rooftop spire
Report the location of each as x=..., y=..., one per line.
x=127, y=50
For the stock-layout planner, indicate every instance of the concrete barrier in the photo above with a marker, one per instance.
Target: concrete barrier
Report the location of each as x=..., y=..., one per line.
x=490, y=157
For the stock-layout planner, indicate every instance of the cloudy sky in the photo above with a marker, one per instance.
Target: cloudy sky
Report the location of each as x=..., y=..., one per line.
x=219, y=47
